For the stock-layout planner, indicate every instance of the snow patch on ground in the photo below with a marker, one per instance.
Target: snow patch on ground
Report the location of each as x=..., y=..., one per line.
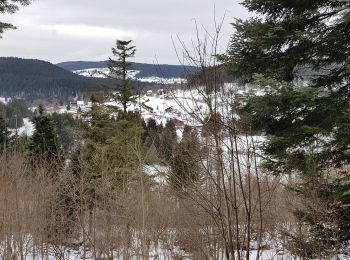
x=4, y=100
x=27, y=129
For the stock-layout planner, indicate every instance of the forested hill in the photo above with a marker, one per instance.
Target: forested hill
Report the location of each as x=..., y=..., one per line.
x=40, y=79
x=145, y=70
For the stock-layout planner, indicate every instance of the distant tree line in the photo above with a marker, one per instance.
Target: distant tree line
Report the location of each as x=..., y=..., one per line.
x=146, y=70
x=35, y=79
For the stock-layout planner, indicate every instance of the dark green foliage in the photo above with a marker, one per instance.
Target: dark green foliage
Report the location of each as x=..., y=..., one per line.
x=183, y=168
x=33, y=79
x=302, y=123
x=10, y=6
x=4, y=133
x=152, y=127
x=326, y=215
x=76, y=164
x=44, y=145
x=185, y=163
x=109, y=146
x=152, y=133
x=68, y=131
x=118, y=70
x=307, y=126
x=146, y=70
x=294, y=34
x=168, y=140
x=15, y=111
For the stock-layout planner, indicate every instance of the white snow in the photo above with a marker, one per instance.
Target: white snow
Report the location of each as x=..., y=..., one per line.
x=157, y=172
x=132, y=74
x=4, y=100
x=160, y=80
x=94, y=72
x=27, y=129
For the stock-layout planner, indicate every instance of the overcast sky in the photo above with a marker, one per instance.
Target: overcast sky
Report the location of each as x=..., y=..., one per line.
x=70, y=30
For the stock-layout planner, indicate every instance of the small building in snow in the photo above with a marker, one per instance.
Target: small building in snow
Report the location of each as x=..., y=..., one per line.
x=80, y=103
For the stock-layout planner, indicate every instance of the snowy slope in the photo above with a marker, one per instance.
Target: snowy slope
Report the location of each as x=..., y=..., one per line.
x=133, y=74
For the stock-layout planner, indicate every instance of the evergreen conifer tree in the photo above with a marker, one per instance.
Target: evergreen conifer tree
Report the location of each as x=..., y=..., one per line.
x=10, y=6
x=307, y=126
x=44, y=143
x=185, y=167
x=168, y=141
x=4, y=132
x=118, y=70
x=108, y=142
x=152, y=133
x=68, y=131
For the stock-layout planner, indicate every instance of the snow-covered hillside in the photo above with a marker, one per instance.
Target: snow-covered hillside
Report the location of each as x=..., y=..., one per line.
x=102, y=72
x=133, y=74
x=187, y=106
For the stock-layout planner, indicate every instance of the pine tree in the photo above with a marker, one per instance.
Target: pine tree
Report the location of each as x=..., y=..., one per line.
x=15, y=111
x=307, y=127
x=44, y=145
x=108, y=142
x=168, y=141
x=4, y=133
x=185, y=168
x=294, y=35
x=68, y=131
x=118, y=70
x=10, y=6
x=152, y=133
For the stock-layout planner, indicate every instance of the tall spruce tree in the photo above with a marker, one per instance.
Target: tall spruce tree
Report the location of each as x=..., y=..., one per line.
x=44, y=145
x=185, y=166
x=307, y=127
x=108, y=146
x=10, y=6
x=118, y=70
x=168, y=141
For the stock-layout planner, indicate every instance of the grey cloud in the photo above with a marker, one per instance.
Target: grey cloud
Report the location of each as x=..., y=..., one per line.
x=61, y=30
